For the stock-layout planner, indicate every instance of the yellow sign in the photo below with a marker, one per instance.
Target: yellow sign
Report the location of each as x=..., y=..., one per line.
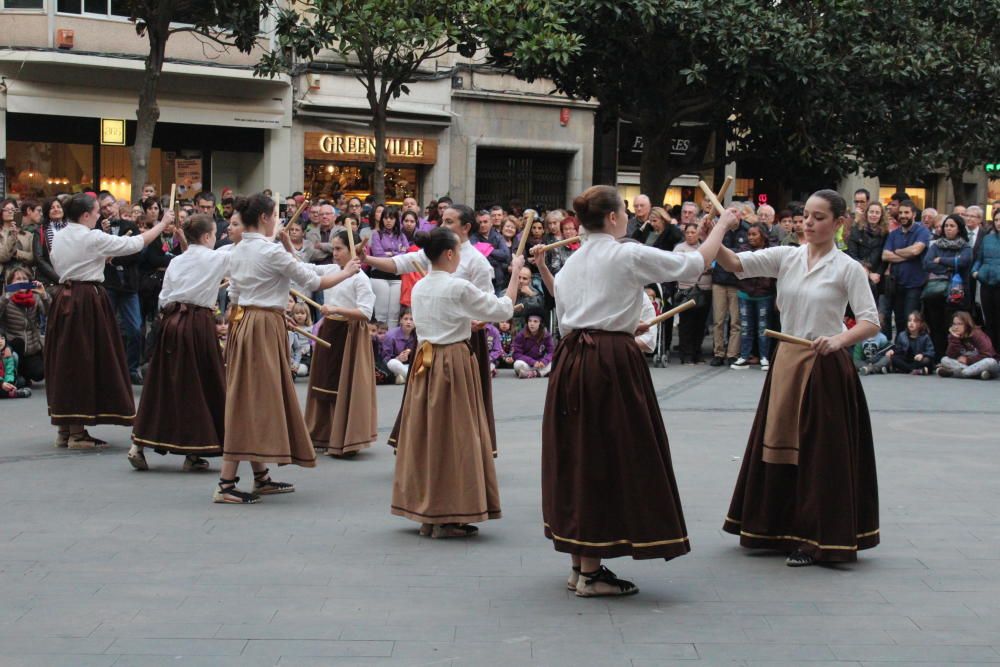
x=112, y=132
x=361, y=148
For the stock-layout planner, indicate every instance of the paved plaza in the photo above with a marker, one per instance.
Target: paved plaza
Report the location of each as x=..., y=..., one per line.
x=101, y=565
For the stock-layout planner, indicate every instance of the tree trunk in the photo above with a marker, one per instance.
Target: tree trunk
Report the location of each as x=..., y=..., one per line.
x=957, y=177
x=655, y=171
x=378, y=181
x=148, y=112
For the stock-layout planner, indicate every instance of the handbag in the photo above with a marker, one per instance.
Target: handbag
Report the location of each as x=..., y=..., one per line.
x=935, y=289
x=956, y=290
x=695, y=293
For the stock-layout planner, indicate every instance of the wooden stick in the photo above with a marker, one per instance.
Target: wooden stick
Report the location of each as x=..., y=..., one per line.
x=719, y=208
x=559, y=244
x=524, y=239
x=687, y=305
x=350, y=240
x=786, y=338
x=302, y=297
x=298, y=212
x=311, y=337
x=725, y=188
x=418, y=267
x=173, y=195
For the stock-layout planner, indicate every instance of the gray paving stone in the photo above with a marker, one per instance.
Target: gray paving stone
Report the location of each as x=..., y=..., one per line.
x=327, y=577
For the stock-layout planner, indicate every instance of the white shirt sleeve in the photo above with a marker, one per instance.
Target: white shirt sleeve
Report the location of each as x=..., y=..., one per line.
x=859, y=294
x=651, y=265
x=408, y=262
x=764, y=263
x=364, y=296
x=110, y=245
x=647, y=341
x=483, y=306
x=301, y=274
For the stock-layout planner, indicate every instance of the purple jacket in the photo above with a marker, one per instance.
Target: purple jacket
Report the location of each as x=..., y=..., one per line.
x=529, y=350
x=380, y=245
x=493, y=341
x=425, y=225
x=395, y=341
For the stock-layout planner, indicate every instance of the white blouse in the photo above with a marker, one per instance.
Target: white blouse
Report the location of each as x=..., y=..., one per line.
x=647, y=341
x=601, y=285
x=813, y=303
x=473, y=266
x=352, y=293
x=195, y=276
x=444, y=307
x=79, y=253
x=261, y=273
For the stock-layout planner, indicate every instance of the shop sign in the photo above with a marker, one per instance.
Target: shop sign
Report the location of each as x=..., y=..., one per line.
x=361, y=148
x=112, y=132
x=688, y=144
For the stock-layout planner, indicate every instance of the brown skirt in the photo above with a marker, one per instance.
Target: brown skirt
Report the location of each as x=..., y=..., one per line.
x=608, y=485
x=444, y=466
x=480, y=349
x=263, y=419
x=827, y=505
x=86, y=376
x=341, y=407
x=183, y=405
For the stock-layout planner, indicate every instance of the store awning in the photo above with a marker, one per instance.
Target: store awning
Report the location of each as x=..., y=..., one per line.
x=47, y=84
x=339, y=107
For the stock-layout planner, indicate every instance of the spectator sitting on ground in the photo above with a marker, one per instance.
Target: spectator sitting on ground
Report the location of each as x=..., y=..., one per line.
x=528, y=298
x=299, y=344
x=493, y=345
x=970, y=352
x=506, y=329
x=399, y=345
x=382, y=373
x=21, y=313
x=913, y=351
x=533, y=348
x=870, y=355
x=8, y=388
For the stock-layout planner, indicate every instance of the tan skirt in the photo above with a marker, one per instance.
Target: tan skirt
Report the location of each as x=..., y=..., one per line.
x=263, y=419
x=341, y=412
x=789, y=377
x=444, y=460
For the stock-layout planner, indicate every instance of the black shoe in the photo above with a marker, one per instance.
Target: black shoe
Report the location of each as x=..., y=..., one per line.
x=136, y=379
x=23, y=392
x=731, y=360
x=716, y=361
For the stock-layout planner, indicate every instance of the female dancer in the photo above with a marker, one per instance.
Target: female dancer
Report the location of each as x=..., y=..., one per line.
x=608, y=486
x=807, y=484
x=87, y=386
x=444, y=476
x=473, y=267
x=183, y=405
x=340, y=407
x=263, y=421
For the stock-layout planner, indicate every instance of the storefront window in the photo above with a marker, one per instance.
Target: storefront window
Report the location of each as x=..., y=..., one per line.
x=672, y=197
x=918, y=195
x=39, y=169
x=356, y=180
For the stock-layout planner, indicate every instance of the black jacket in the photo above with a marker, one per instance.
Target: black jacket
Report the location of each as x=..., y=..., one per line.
x=866, y=248
x=122, y=273
x=733, y=239
x=44, y=271
x=668, y=240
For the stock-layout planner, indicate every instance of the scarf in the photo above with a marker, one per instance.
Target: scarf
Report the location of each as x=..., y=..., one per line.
x=951, y=244
x=24, y=299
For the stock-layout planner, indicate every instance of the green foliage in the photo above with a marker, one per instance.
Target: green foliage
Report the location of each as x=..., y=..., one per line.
x=234, y=23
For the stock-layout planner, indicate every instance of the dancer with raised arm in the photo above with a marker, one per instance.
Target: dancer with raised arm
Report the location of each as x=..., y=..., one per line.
x=263, y=421
x=183, y=404
x=86, y=376
x=445, y=479
x=341, y=411
x=608, y=487
x=807, y=485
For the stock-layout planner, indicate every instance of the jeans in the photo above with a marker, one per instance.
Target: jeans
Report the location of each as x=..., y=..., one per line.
x=971, y=370
x=725, y=302
x=905, y=301
x=753, y=321
x=126, y=307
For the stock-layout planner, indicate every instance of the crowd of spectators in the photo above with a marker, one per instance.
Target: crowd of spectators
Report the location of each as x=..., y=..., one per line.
x=936, y=279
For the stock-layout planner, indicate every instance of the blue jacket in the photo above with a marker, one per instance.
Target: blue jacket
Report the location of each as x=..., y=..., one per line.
x=948, y=265
x=910, y=347
x=987, y=263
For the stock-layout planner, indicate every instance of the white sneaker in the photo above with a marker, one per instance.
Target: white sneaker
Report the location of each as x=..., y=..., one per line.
x=764, y=365
x=740, y=364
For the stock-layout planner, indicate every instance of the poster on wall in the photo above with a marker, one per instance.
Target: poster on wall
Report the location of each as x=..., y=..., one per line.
x=187, y=175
